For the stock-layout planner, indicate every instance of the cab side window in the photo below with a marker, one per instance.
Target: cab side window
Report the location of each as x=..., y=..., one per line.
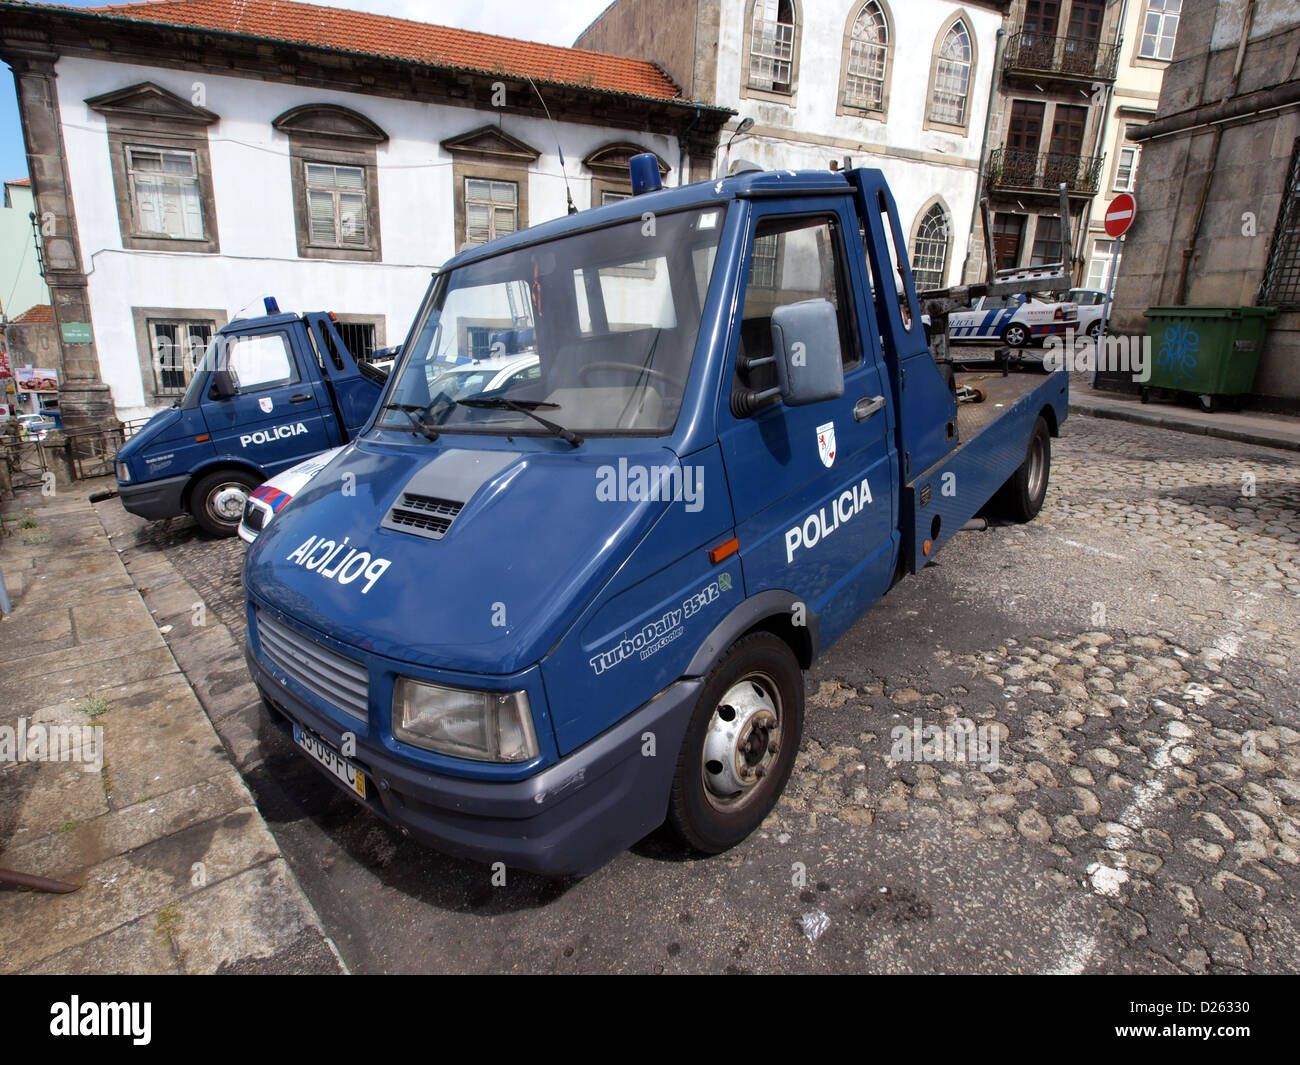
x=259, y=362
x=791, y=260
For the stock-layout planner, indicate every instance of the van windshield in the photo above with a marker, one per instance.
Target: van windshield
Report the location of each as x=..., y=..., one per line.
x=596, y=331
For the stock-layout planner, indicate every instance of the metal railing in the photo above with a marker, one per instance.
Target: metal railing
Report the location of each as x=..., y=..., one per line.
x=1034, y=53
x=1012, y=168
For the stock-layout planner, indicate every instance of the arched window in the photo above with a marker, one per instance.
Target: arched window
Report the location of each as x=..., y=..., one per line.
x=866, y=68
x=772, y=46
x=950, y=82
x=930, y=249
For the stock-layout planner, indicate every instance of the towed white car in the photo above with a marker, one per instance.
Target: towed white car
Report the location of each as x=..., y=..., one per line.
x=1015, y=320
x=267, y=500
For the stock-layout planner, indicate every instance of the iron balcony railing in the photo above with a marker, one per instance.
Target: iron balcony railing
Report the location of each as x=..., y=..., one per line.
x=1035, y=54
x=1013, y=169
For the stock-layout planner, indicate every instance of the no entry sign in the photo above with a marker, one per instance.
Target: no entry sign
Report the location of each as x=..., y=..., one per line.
x=1120, y=214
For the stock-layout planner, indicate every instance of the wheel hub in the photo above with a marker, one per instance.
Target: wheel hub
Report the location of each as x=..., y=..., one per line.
x=227, y=502
x=743, y=740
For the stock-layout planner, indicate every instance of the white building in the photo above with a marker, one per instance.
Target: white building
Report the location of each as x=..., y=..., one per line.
x=199, y=155
x=899, y=86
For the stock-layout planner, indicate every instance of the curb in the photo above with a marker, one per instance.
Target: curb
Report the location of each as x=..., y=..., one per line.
x=1161, y=420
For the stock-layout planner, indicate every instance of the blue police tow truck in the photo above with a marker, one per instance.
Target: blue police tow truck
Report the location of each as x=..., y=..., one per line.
x=532, y=624
x=269, y=392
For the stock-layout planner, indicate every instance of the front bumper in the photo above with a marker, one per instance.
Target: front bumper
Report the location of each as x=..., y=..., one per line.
x=154, y=499
x=569, y=819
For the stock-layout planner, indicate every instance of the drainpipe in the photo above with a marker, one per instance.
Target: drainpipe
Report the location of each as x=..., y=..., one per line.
x=681, y=145
x=984, y=149
x=1190, y=251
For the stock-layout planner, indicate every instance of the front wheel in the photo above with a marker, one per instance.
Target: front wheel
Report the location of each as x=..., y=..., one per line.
x=740, y=745
x=1023, y=495
x=217, y=501
x=1094, y=329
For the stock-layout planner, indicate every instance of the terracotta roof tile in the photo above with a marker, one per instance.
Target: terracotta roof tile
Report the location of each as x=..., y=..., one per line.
x=40, y=314
x=393, y=38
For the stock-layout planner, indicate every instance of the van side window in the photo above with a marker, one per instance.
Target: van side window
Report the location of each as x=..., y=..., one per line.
x=791, y=260
x=261, y=361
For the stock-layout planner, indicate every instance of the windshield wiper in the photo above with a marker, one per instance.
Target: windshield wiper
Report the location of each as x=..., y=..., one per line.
x=527, y=406
x=416, y=413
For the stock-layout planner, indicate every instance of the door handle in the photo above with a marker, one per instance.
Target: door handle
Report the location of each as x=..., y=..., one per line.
x=866, y=407
x=301, y=397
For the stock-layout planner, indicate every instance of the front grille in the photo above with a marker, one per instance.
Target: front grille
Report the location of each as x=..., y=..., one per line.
x=424, y=515
x=336, y=680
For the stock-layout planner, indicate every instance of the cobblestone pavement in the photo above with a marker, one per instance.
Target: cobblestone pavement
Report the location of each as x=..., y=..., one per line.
x=1130, y=658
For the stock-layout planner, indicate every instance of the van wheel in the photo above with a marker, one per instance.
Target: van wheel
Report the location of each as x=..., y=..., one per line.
x=217, y=501
x=1023, y=494
x=740, y=745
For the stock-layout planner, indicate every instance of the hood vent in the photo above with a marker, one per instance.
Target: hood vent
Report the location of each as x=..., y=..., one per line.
x=428, y=504
x=423, y=515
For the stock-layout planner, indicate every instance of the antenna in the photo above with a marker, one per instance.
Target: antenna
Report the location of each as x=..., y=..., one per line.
x=568, y=195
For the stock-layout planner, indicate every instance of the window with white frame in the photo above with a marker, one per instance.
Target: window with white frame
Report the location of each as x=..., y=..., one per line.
x=951, y=91
x=178, y=345
x=165, y=198
x=1126, y=168
x=1159, y=28
x=930, y=250
x=1099, y=265
x=771, y=49
x=864, y=79
x=491, y=209
x=336, y=205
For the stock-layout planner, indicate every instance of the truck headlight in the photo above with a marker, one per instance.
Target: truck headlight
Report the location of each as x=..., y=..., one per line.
x=483, y=725
x=123, y=472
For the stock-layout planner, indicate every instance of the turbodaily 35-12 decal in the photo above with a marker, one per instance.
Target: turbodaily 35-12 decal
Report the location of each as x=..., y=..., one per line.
x=659, y=633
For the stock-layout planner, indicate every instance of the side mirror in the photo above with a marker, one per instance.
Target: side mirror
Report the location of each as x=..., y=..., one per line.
x=806, y=346
x=223, y=385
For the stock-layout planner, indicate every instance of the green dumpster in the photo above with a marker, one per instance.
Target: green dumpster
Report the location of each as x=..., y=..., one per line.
x=1210, y=352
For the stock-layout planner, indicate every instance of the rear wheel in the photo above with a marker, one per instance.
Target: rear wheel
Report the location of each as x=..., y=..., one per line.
x=1015, y=335
x=740, y=745
x=217, y=501
x=1094, y=329
x=1021, y=498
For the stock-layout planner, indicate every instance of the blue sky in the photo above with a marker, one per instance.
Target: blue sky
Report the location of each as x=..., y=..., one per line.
x=552, y=23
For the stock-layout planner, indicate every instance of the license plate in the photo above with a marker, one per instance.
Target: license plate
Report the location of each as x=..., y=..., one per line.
x=331, y=760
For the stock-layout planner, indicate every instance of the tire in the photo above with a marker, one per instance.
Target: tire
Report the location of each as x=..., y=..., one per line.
x=1023, y=494
x=1094, y=330
x=711, y=808
x=212, y=501
x=1015, y=336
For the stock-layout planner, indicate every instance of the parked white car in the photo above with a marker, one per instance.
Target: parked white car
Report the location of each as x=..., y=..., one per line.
x=488, y=375
x=267, y=500
x=1016, y=320
x=1091, y=302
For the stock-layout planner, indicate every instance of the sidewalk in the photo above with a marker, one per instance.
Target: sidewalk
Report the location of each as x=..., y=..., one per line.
x=177, y=869
x=1247, y=427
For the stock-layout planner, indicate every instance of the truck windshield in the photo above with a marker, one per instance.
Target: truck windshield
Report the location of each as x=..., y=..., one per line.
x=595, y=330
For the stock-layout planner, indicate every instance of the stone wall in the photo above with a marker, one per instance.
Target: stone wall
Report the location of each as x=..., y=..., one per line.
x=1243, y=186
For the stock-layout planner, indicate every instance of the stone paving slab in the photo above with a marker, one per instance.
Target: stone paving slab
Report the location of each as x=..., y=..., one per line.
x=176, y=869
